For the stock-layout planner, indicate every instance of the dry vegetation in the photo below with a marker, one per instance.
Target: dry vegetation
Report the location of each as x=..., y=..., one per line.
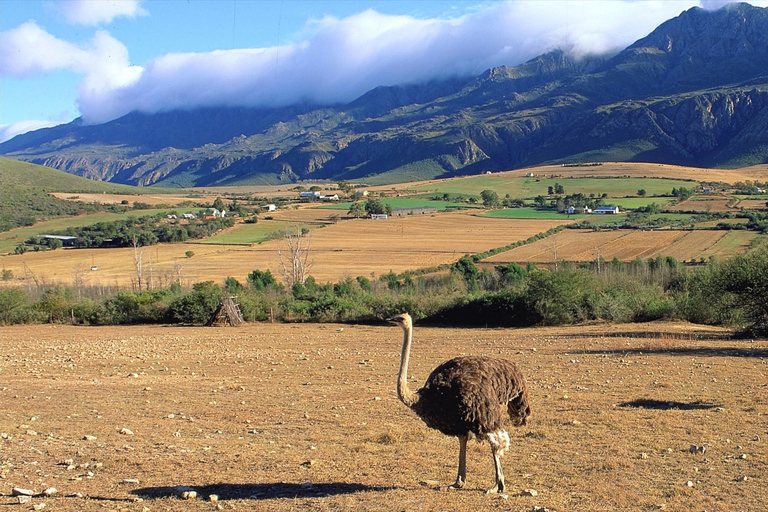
x=296, y=417
x=349, y=249
x=586, y=245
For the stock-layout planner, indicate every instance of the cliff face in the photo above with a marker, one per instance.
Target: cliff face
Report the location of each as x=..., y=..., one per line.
x=694, y=91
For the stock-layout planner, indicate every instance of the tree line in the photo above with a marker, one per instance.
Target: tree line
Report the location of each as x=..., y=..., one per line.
x=730, y=292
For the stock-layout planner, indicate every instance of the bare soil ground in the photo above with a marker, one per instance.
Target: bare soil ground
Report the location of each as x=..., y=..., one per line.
x=305, y=417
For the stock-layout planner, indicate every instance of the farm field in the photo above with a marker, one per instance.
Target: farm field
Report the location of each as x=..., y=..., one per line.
x=626, y=245
x=348, y=249
x=732, y=243
x=521, y=187
x=293, y=417
x=704, y=204
x=10, y=239
x=151, y=199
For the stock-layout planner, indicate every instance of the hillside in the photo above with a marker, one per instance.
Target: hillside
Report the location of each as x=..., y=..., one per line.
x=693, y=92
x=26, y=187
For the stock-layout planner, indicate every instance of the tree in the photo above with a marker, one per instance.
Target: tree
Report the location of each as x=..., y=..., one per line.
x=346, y=186
x=559, y=189
x=295, y=256
x=356, y=210
x=490, y=198
x=376, y=206
x=540, y=201
x=467, y=269
x=218, y=203
x=641, y=192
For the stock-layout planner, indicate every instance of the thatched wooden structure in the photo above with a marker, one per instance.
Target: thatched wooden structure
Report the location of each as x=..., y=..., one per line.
x=228, y=313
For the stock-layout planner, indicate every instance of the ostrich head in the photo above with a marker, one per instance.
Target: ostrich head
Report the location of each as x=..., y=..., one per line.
x=403, y=320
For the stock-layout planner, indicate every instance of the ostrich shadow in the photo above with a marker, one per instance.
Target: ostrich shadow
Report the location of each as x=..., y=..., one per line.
x=260, y=491
x=666, y=405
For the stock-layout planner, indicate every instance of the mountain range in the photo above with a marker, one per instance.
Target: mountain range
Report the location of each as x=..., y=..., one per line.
x=693, y=92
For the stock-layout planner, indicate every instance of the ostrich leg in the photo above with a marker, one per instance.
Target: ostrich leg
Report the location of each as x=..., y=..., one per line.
x=461, y=477
x=499, y=442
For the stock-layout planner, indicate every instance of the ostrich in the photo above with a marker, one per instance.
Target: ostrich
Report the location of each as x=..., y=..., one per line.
x=464, y=397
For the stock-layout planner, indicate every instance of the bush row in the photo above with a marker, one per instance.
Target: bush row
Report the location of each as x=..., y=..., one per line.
x=729, y=293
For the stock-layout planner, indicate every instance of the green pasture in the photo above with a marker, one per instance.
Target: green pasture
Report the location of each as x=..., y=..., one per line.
x=246, y=234
x=633, y=203
x=405, y=202
x=526, y=188
x=528, y=213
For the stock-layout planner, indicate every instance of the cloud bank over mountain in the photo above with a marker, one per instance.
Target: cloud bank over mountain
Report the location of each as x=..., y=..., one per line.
x=335, y=60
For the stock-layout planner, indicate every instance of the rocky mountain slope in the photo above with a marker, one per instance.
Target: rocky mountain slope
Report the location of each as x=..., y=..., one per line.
x=693, y=92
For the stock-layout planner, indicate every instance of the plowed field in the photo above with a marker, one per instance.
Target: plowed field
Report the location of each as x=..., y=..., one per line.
x=271, y=417
x=586, y=245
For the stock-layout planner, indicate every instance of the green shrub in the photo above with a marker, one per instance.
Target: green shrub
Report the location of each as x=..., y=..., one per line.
x=197, y=306
x=16, y=308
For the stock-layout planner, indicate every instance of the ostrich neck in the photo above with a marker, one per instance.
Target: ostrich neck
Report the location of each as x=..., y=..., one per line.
x=403, y=392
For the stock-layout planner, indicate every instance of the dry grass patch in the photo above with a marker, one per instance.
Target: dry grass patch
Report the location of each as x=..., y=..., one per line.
x=348, y=249
x=296, y=417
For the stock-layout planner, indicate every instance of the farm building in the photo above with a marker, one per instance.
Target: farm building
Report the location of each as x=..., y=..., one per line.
x=66, y=241
x=424, y=210
x=578, y=209
x=269, y=207
x=361, y=193
x=213, y=213
x=602, y=210
x=310, y=195
x=379, y=216
x=334, y=197
x=189, y=215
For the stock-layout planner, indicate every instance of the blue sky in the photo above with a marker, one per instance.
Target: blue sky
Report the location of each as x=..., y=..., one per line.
x=100, y=59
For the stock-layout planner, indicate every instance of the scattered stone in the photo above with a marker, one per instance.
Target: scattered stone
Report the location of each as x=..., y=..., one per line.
x=697, y=449
x=529, y=492
x=24, y=499
x=537, y=508
x=89, y=438
x=213, y=498
x=689, y=483
x=309, y=463
x=38, y=506
x=134, y=481
x=126, y=431
x=429, y=483
x=743, y=456
x=643, y=455
x=18, y=491
x=189, y=495
x=50, y=491
x=743, y=479
x=76, y=495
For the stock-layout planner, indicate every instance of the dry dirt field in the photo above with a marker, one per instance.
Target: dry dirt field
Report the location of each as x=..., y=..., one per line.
x=626, y=245
x=119, y=198
x=272, y=417
x=348, y=249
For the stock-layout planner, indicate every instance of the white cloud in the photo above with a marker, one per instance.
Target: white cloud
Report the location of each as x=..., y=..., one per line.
x=97, y=12
x=28, y=51
x=343, y=58
x=338, y=59
x=9, y=131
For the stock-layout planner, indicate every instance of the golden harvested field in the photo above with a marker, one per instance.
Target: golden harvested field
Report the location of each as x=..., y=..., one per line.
x=119, y=198
x=635, y=170
x=271, y=417
x=753, y=204
x=704, y=204
x=347, y=249
x=626, y=245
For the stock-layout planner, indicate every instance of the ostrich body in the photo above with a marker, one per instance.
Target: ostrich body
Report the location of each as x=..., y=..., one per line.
x=463, y=397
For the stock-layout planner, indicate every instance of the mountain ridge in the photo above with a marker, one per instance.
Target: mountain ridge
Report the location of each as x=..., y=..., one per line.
x=692, y=92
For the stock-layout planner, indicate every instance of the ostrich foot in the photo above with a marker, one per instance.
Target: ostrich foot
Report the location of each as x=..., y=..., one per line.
x=458, y=484
x=498, y=488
